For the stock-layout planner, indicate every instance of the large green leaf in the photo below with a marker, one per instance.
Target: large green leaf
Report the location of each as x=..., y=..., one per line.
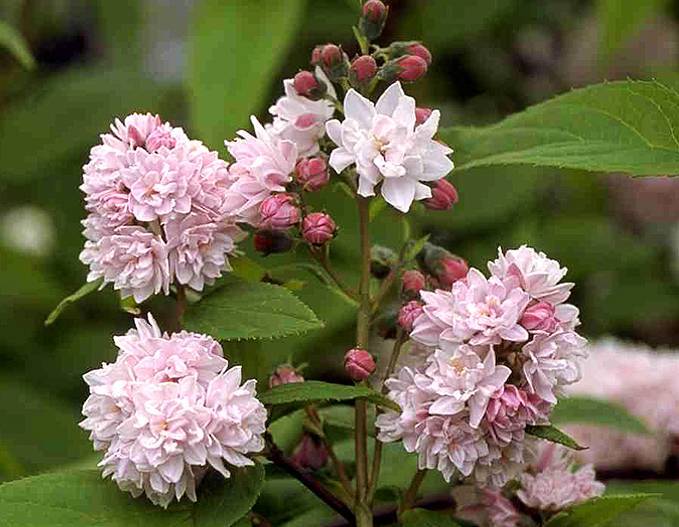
x=599, y=511
x=12, y=40
x=596, y=412
x=235, y=50
x=425, y=518
x=627, y=126
x=83, y=499
x=554, y=435
x=659, y=512
x=251, y=310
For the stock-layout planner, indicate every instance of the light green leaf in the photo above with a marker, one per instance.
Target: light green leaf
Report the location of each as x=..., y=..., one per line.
x=659, y=512
x=12, y=40
x=85, y=289
x=425, y=518
x=596, y=412
x=620, y=19
x=599, y=511
x=235, y=51
x=251, y=310
x=553, y=434
x=627, y=126
x=83, y=499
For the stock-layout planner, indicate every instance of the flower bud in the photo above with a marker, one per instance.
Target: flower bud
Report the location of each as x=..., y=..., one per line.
x=382, y=259
x=284, y=374
x=316, y=55
x=307, y=85
x=421, y=115
x=373, y=18
x=419, y=50
x=359, y=364
x=318, y=228
x=413, y=282
x=312, y=173
x=540, y=317
x=440, y=263
x=334, y=62
x=408, y=313
x=443, y=196
x=411, y=68
x=310, y=453
x=362, y=70
x=270, y=242
x=279, y=212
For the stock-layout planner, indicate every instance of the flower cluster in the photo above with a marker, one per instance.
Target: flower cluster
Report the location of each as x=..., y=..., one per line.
x=500, y=349
x=168, y=409
x=155, y=201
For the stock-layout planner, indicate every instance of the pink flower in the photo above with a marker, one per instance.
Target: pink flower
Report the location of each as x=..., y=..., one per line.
x=501, y=512
x=285, y=374
x=318, y=228
x=386, y=146
x=312, y=173
x=509, y=410
x=540, y=316
x=279, y=212
x=408, y=314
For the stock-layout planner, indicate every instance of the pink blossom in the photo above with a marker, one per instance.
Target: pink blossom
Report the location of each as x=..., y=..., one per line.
x=509, y=410
x=501, y=512
x=408, y=314
x=312, y=173
x=279, y=212
x=540, y=316
x=318, y=228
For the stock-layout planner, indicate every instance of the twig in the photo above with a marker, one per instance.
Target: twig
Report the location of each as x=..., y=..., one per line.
x=322, y=258
x=411, y=494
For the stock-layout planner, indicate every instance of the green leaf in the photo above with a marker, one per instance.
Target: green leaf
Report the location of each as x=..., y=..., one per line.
x=425, y=518
x=12, y=40
x=251, y=310
x=85, y=289
x=599, y=511
x=553, y=434
x=596, y=412
x=83, y=499
x=626, y=126
x=309, y=392
x=621, y=19
x=660, y=512
x=234, y=54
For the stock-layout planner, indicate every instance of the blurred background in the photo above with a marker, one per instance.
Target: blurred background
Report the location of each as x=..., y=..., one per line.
x=68, y=67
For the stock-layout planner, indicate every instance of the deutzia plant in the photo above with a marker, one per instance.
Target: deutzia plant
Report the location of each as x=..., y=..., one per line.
x=454, y=372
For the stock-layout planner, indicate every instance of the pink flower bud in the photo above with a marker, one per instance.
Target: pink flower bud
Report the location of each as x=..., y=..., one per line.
x=373, y=19
x=318, y=228
x=421, y=115
x=362, y=70
x=408, y=313
x=411, y=68
x=312, y=173
x=284, y=374
x=160, y=137
x=331, y=55
x=307, y=85
x=443, y=196
x=359, y=364
x=316, y=56
x=540, y=317
x=270, y=242
x=310, y=453
x=279, y=212
x=413, y=282
x=334, y=62
x=421, y=51
x=451, y=269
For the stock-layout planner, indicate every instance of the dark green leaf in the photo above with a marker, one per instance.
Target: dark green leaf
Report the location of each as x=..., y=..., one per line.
x=85, y=289
x=425, y=518
x=596, y=412
x=251, y=310
x=599, y=511
x=11, y=40
x=553, y=434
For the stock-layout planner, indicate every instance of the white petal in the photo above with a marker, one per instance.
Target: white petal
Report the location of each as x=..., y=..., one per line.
x=422, y=192
x=428, y=128
x=334, y=129
x=387, y=103
x=436, y=167
x=340, y=159
x=404, y=114
x=399, y=192
x=359, y=109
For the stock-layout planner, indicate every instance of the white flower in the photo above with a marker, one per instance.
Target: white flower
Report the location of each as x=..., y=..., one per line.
x=385, y=145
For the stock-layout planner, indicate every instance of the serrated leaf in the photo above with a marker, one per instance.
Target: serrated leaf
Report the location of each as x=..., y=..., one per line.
x=588, y=410
x=598, y=512
x=553, y=434
x=247, y=269
x=85, y=289
x=250, y=310
x=426, y=518
x=11, y=40
x=83, y=499
x=626, y=126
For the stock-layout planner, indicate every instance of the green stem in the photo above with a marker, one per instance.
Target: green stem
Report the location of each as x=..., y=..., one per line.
x=411, y=494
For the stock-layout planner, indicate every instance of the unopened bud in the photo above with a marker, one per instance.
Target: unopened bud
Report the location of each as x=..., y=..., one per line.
x=284, y=374
x=311, y=453
x=373, y=19
x=316, y=56
x=408, y=313
x=421, y=115
x=359, y=364
x=443, y=196
x=312, y=173
x=307, y=85
x=451, y=270
x=362, y=70
x=411, y=68
x=540, y=317
x=271, y=242
x=413, y=282
x=318, y=228
x=279, y=212
x=333, y=61
x=382, y=259
x=419, y=50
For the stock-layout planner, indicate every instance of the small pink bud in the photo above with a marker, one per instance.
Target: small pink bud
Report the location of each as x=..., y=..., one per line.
x=421, y=51
x=270, y=242
x=373, y=19
x=160, y=137
x=443, y=196
x=334, y=62
x=279, y=212
x=451, y=270
x=408, y=313
x=362, y=70
x=359, y=364
x=307, y=85
x=310, y=453
x=318, y=228
x=413, y=282
x=540, y=317
x=284, y=374
x=421, y=115
x=312, y=173
x=411, y=68
x=331, y=55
